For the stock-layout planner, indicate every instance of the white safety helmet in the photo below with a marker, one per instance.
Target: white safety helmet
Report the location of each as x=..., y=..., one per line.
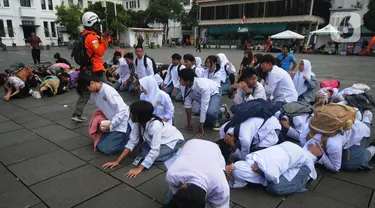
x=89, y=19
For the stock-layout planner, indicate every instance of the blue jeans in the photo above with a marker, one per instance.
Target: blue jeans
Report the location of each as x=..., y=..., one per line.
x=118, y=86
x=356, y=157
x=213, y=111
x=225, y=87
x=113, y=142
x=297, y=184
x=177, y=96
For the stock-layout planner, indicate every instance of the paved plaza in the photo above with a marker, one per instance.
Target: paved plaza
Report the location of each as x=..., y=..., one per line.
x=46, y=160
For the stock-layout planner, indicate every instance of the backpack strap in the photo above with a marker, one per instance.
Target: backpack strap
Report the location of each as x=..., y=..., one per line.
x=84, y=40
x=179, y=68
x=145, y=61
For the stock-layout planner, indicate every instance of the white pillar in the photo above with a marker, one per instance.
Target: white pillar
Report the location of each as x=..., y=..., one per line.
x=311, y=7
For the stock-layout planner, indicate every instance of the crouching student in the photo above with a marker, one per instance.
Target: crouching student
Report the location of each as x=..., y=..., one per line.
x=152, y=139
x=205, y=92
x=325, y=95
x=248, y=88
x=227, y=70
x=212, y=71
x=163, y=106
x=49, y=86
x=190, y=62
x=283, y=169
x=338, y=142
x=15, y=88
x=171, y=85
x=305, y=82
x=125, y=68
x=116, y=129
x=196, y=177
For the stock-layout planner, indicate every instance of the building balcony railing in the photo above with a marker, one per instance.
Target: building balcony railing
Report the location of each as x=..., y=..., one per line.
x=27, y=11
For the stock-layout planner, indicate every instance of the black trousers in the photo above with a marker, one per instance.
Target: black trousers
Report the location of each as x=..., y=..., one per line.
x=35, y=53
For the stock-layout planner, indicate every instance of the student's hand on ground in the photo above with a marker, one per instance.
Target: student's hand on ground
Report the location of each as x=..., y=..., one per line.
x=6, y=97
x=285, y=123
x=110, y=165
x=315, y=149
x=189, y=127
x=134, y=172
x=201, y=133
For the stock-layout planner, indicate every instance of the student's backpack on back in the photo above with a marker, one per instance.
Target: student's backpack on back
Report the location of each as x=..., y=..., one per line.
x=331, y=119
x=294, y=109
x=79, y=53
x=231, y=76
x=362, y=101
x=332, y=83
x=258, y=108
x=154, y=66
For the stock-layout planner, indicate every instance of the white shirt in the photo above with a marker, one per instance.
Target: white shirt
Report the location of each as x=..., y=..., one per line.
x=140, y=69
x=252, y=132
x=201, y=163
x=332, y=156
x=280, y=85
x=163, y=108
x=14, y=81
x=172, y=75
x=123, y=69
x=155, y=134
x=113, y=107
x=256, y=93
x=201, y=91
x=297, y=126
x=199, y=71
x=217, y=77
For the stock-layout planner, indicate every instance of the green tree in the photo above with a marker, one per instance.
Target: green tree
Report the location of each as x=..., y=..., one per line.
x=70, y=17
x=138, y=19
x=369, y=17
x=193, y=14
x=161, y=11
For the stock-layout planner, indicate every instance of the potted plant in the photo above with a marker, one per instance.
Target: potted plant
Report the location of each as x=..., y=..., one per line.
x=11, y=34
x=152, y=45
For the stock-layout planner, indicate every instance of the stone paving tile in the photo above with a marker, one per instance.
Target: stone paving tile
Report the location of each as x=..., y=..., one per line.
x=254, y=197
x=7, y=126
x=37, y=123
x=155, y=188
x=372, y=202
x=363, y=178
x=27, y=119
x=31, y=102
x=58, y=115
x=75, y=142
x=15, y=113
x=25, y=150
x=86, y=153
x=15, y=137
x=312, y=200
x=3, y=118
x=55, y=133
x=46, y=166
x=101, y=160
x=144, y=176
x=348, y=193
x=68, y=123
x=41, y=205
x=120, y=196
x=47, y=109
x=83, y=131
x=9, y=182
x=73, y=187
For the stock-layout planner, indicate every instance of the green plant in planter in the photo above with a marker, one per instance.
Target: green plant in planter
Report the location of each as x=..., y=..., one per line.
x=152, y=45
x=158, y=45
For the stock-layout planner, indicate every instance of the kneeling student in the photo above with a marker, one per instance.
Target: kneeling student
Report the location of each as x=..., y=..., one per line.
x=163, y=106
x=50, y=86
x=283, y=169
x=249, y=88
x=116, y=130
x=153, y=140
x=15, y=88
x=196, y=176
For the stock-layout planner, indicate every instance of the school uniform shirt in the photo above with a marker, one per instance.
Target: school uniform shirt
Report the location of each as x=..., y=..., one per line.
x=347, y=91
x=285, y=62
x=15, y=82
x=123, y=70
x=225, y=69
x=255, y=93
x=201, y=91
x=140, y=68
x=172, y=75
x=156, y=133
x=113, y=107
x=332, y=156
x=253, y=133
x=284, y=159
x=215, y=76
x=199, y=71
x=297, y=126
x=201, y=163
x=280, y=85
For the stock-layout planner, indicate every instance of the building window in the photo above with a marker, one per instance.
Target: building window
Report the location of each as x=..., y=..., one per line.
x=89, y=3
x=80, y=4
x=222, y=12
x=2, y=30
x=53, y=29
x=186, y=2
x=70, y=2
x=46, y=30
x=127, y=5
x=208, y=13
x=6, y=3
x=43, y=2
x=50, y=5
x=139, y=5
x=26, y=3
x=10, y=28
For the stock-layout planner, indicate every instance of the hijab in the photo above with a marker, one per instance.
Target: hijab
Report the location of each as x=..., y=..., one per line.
x=223, y=60
x=299, y=81
x=150, y=85
x=198, y=61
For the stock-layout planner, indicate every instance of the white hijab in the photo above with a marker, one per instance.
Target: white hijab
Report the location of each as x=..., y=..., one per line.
x=150, y=85
x=198, y=61
x=298, y=80
x=223, y=60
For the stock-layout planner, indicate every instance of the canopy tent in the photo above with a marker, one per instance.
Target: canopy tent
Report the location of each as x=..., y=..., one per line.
x=287, y=35
x=328, y=30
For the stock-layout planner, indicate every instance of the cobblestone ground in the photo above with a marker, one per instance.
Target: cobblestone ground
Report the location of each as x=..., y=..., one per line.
x=48, y=161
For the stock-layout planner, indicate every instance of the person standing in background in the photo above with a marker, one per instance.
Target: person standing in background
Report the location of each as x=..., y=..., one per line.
x=34, y=42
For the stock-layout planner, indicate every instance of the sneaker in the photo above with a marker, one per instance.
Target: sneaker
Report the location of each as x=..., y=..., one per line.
x=79, y=119
x=226, y=111
x=216, y=127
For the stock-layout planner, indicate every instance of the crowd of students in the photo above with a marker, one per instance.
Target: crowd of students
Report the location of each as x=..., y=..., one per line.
x=278, y=130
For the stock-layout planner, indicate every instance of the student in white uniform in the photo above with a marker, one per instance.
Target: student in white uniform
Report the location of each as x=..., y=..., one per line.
x=15, y=88
x=142, y=68
x=189, y=62
x=171, y=84
x=282, y=169
x=254, y=134
x=305, y=82
x=125, y=69
x=341, y=149
x=279, y=85
x=196, y=177
x=207, y=93
x=355, y=89
x=150, y=138
x=213, y=71
x=248, y=87
x=163, y=106
x=116, y=130
x=227, y=69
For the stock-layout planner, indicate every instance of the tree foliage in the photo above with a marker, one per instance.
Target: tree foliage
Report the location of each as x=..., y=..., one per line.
x=193, y=14
x=138, y=19
x=70, y=17
x=369, y=17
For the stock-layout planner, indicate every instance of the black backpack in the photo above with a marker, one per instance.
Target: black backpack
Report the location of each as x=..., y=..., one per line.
x=79, y=53
x=295, y=109
x=362, y=101
x=178, y=68
x=154, y=66
x=258, y=108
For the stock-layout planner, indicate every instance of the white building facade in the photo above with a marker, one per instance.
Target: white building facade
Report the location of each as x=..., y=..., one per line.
x=85, y=3
x=22, y=17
